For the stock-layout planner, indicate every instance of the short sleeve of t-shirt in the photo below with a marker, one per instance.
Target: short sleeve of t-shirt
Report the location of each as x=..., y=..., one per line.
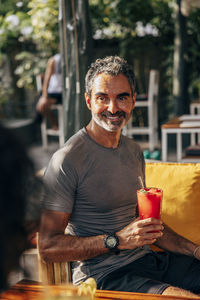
x=60, y=181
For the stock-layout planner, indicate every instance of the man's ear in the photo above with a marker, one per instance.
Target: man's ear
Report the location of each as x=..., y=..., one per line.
x=88, y=101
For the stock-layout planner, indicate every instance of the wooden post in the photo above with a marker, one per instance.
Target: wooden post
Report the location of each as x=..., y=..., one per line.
x=179, y=69
x=75, y=37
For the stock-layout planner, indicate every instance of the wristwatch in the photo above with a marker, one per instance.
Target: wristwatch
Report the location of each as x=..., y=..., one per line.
x=111, y=242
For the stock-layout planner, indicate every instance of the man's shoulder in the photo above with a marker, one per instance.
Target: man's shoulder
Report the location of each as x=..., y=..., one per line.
x=78, y=142
x=133, y=148
x=129, y=142
x=72, y=149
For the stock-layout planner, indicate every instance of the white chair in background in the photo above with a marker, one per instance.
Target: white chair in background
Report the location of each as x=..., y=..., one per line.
x=45, y=131
x=152, y=111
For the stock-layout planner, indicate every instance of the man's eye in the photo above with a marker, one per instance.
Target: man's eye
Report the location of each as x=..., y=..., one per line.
x=122, y=98
x=101, y=98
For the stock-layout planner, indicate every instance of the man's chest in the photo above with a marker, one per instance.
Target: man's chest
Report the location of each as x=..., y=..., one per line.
x=109, y=184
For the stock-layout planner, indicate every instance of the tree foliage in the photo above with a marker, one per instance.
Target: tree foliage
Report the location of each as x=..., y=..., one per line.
x=29, y=35
x=193, y=57
x=122, y=17
x=145, y=30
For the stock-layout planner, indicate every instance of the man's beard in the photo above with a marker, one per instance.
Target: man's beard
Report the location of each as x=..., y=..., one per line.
x=108, y=125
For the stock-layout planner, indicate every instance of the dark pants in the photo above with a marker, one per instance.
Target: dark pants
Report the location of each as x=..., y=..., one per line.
x=153, y=273
x=38, y=117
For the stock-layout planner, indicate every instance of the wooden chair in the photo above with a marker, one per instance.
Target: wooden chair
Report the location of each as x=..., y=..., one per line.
x=53, y=272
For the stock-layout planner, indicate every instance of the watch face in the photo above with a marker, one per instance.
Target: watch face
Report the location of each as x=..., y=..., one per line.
x=111, y=242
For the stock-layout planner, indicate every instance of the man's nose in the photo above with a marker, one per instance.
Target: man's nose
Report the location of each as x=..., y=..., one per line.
x=112, y=107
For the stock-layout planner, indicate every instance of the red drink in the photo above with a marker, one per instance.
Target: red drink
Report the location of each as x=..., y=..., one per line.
x=149, y=202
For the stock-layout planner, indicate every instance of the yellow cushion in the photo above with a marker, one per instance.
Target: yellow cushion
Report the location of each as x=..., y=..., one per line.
x=181, y=195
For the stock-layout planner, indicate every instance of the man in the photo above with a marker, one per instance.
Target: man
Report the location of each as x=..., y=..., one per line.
x=91, y=188
x=51, y=90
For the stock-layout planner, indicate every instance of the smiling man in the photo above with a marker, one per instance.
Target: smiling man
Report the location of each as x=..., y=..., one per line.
x=111, y=102
x=91, y=186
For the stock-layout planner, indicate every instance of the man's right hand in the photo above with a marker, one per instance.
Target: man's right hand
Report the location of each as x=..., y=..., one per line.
x=139, y=233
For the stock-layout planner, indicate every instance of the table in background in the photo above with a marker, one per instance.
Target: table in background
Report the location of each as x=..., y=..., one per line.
x=194, y=110
x=31, y=290
x=173, y=127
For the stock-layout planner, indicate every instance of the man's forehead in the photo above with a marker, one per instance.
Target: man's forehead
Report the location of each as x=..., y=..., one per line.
x=107, y=81
x=108, y=75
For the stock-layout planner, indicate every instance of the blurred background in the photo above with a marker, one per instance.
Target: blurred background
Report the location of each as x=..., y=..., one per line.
x=151, y=34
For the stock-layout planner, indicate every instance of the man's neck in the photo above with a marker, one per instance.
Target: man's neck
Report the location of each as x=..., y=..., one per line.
x=103, y=137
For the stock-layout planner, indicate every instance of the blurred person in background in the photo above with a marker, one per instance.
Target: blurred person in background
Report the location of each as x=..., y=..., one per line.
x=51, y=90
x=19, y=203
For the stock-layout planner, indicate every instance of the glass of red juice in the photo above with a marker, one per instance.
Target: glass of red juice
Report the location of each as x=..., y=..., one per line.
x=149, y=202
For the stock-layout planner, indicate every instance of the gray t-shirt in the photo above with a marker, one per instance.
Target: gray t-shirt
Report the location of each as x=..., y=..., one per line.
x=97, y=185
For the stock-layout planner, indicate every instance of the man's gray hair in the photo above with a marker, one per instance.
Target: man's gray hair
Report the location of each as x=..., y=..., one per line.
x=112, y=65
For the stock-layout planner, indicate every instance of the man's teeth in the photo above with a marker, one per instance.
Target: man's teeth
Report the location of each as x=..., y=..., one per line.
x=113, y=117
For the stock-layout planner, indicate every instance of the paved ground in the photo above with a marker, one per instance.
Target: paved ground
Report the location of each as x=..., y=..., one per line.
x=30, y=135
x=42, y=156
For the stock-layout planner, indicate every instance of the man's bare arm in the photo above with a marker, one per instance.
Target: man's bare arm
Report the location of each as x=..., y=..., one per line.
x=173, y=242
x=43, y=102
x=55, y=246
x=48, y=73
